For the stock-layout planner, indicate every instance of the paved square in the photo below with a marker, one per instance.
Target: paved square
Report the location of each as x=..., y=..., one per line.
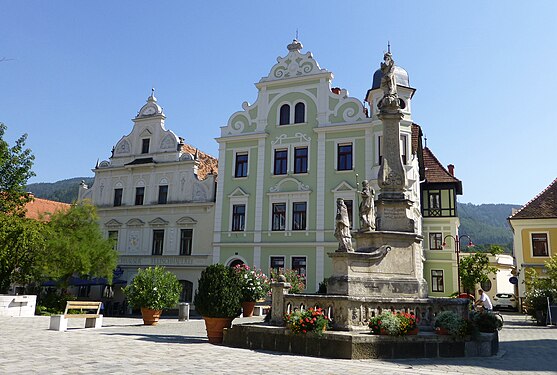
x=126, y=346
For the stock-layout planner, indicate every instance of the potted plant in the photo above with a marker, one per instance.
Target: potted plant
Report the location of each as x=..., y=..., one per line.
x=394, y=324
x=450, y=323
x=485, y=321
x=307, y=321
x=255, y=286
x=217, y=299
x=153, y=290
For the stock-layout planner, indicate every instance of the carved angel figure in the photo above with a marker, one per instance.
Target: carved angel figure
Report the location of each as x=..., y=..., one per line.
x=342, y=228
x=367, y=208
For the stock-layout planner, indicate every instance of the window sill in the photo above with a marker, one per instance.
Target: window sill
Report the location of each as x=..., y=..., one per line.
x=344, y=170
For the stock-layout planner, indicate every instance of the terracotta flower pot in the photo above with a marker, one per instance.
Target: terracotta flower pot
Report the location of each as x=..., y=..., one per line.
x=150, y=317
x=215, y=327
x=413, y=331
x=441, y=331
x=247, y=309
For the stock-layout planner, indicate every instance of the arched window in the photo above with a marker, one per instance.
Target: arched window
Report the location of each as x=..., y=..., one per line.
x=235, y=263
x=284, y=115
x=299, y=113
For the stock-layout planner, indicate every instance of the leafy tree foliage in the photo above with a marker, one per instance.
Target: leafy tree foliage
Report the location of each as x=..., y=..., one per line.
x=475, y=269
x=21, y=245
x=75, y=245
x=15, y=170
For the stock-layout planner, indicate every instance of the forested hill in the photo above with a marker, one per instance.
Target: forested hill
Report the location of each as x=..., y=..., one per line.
x=60, y=191
x=486, y=224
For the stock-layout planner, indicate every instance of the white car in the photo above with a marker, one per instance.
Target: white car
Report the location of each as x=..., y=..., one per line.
x=505, y=301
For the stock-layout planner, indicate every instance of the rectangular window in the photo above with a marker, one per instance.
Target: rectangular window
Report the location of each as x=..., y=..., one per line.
x=279, y=216
x=158, y=241
x=163, y=194
x=299, y=215
x=344, y=157
x=113, y=236
x=299, y=265
x=379, y=150
x=539, y=245
x=403, y=147
x=277, y=263
x=118, y=197
x=238, y=217
x=241, y=169
x=186, y=240
x=435, y=241
x=139, y=194
x=281, y=161
x=300, y=160
x=437, y=281
x=434, y=200
x=145, y=146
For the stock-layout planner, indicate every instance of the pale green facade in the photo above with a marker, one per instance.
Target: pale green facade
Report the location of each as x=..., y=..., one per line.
x=250, y=224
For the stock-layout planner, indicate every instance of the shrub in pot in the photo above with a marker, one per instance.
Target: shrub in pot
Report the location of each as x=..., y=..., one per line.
x=217, y=299
x=485, y=321
x=255, y=286
x=449, y=322
x=153, y=290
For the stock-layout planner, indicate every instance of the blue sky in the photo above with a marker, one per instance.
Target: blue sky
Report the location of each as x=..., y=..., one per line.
x=77, y=72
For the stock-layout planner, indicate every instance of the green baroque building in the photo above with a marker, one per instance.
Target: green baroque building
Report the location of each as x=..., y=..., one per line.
x=285, y=159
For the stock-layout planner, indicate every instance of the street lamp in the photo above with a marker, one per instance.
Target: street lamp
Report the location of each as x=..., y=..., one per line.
x=456, y=240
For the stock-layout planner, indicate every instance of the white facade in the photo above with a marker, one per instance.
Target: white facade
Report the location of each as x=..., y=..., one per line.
x=156, y=200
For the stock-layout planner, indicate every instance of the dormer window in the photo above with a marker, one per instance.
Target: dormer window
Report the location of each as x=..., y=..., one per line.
x=300, y=113
x=145, y=146
x=284, y=115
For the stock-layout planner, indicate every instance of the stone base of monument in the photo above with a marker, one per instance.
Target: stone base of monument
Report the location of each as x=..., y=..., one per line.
x=358, y=345
x=385, y=264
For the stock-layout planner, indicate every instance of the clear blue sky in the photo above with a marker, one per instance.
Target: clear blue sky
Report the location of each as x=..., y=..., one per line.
x=77, y=72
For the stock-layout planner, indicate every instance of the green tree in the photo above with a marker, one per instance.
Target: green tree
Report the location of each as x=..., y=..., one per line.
x=75, y=245
x=21, y=245
x=15, y=170
x=475, y=268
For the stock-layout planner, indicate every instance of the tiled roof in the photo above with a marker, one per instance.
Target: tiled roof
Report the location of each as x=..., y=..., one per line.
x=543, y=206
x=41, y=207
x=207, y=163
x=435, y=172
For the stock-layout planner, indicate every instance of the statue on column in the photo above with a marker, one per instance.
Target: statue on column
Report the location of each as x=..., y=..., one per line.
x=367, y=208
x=342, y=228
x=388, y=84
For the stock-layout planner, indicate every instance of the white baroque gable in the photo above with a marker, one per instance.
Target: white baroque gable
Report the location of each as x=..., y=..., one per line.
x=294, y=64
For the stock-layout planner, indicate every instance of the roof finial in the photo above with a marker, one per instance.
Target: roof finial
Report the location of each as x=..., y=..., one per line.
x=389, y=46
x=296, y=33
x=425, y=142
x=152, y=97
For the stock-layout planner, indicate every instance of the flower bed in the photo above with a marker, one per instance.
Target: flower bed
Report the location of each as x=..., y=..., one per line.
x=394, y=324
x=310, y=320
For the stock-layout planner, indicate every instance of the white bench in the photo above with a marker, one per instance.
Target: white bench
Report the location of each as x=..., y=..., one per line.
x=88, y=309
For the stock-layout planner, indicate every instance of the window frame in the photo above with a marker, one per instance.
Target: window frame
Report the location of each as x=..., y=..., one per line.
x=338, y=156
x=278, y=216
x=433, y=241
x=304, y=113
x=404, y=149
x=305, y=268
x=117, y=201
x=285, y=113
x=532, y=247
x=439, y=285
x=155, y=250
x=145, y=145
x=163, y=194
x=139, y=197
x=186, y=243
x=113, y=237
x=234, y=215
x=304, y=159
x=283, y=161
x=244, y=164
x=271, y=257
x=302, y=216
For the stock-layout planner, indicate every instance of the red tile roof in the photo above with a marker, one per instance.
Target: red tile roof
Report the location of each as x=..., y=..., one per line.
x=434, y=170
x=207, y=163
x=542, y=206
x=39, y=208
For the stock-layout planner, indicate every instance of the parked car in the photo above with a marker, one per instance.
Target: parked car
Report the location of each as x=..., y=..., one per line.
x=505, y=301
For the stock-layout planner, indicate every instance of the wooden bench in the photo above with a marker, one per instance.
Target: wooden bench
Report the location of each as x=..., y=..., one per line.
x=89, y=310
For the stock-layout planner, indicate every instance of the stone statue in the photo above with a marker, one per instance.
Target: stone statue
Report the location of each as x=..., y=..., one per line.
x=388, y=82
x=367, y=208
x=342, y=228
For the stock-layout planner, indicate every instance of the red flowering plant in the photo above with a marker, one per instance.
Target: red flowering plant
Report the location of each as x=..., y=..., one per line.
x=310, y=320
x=393, y=323
x=254, y=283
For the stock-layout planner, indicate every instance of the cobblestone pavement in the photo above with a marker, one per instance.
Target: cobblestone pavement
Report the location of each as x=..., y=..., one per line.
x=124, y=345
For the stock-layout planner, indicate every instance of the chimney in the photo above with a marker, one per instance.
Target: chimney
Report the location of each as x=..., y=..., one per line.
x=451, y=169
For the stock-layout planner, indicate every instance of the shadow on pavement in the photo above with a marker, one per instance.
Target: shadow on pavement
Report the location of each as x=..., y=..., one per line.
x=169, y=339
